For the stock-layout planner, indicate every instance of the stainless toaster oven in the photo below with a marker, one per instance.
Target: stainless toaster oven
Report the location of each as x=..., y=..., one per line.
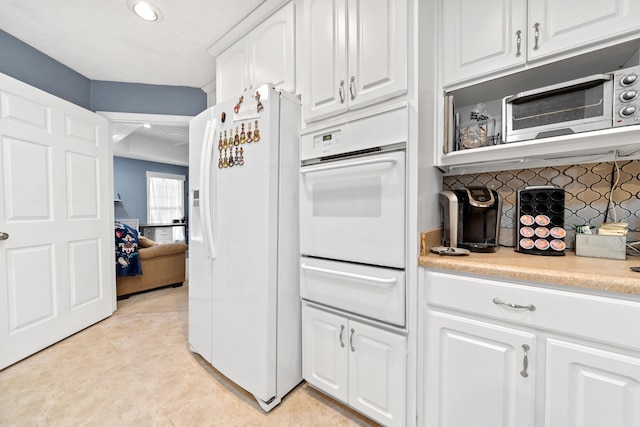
x=597, y=102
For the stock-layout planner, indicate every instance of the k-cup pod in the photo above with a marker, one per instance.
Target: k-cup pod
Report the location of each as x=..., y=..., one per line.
x=558, y=232
x=542, y=220
x=542, y=244
x=527, y=232
x=526, y=243
x=527, y=220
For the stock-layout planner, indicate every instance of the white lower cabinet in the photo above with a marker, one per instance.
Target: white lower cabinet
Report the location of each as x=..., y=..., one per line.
x=478, y=373
x=590, y=387
x=499, y=354
x=356, y=363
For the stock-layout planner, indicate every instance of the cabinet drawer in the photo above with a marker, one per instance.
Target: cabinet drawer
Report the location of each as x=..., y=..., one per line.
x=375, y=292
x=600, y=318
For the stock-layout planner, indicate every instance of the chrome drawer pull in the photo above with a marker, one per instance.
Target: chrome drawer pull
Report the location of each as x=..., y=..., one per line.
x=351, y=340
x=341, y=91
x=536, y=32
x=525, y=361
x=518, y=42
x=529, y=307
x=341, y=331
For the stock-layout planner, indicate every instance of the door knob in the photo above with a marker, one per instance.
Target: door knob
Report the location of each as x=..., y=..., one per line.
x=3, y=235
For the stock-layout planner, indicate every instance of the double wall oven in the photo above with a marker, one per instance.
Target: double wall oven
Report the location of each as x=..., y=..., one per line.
x=353, y=215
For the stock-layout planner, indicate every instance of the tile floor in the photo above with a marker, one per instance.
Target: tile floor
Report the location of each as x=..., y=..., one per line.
x=135, y=368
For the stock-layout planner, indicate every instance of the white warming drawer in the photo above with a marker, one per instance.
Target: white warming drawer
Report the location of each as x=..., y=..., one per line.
x=375, y=292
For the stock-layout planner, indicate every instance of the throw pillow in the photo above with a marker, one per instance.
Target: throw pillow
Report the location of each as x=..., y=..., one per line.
x=146, y=243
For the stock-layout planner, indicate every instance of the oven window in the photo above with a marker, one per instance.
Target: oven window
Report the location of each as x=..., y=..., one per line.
x=575, y=103
x=358, y=198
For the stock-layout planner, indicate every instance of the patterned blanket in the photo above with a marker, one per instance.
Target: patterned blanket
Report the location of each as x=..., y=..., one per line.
x=126, y=246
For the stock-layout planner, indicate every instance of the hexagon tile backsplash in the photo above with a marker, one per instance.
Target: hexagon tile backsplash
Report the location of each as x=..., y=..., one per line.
x=587, y=189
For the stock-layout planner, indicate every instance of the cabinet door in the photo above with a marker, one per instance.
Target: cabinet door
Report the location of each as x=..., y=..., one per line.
x=232, y=70
x=478, y=374
x=479, y=38
x=324, y=351
x=589, y=387
x=377, y=373
x=377, y=50
x=271, y=45
x=325, y=62
x=571, y=24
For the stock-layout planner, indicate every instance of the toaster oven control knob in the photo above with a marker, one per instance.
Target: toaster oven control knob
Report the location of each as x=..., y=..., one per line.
x=628, y=95
x=628, y=111
x=629, y=80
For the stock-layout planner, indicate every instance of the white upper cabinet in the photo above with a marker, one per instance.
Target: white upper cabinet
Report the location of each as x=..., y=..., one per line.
x=356, y=54
x=265, y=55
x=271, y=50
x=482, y=38
x=232, y=70
x=325, y=63
x=570, y=24
x=377, y=50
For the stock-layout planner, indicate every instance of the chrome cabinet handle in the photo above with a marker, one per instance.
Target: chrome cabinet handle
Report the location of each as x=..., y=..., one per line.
x=3, y=235
x=536, y=33
x=352, y=87
x=341, y=91
x=341, y=332
x=525, y=361
x=518, y=42
x=529, y=307
x=351, y=340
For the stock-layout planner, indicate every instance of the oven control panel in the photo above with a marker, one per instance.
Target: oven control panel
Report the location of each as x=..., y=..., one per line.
x=380, y=130
x=323, y=142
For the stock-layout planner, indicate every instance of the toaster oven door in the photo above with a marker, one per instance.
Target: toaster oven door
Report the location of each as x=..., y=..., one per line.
x=577, y=106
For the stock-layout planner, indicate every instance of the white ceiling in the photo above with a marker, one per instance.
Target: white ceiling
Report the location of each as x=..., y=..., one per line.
x=104, y=40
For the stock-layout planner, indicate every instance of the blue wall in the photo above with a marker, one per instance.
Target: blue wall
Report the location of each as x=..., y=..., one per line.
x=147, y=99
x=23, y=62
x=130, y=181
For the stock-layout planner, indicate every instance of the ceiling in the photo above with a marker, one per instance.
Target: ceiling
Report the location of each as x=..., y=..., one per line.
x=104, y=40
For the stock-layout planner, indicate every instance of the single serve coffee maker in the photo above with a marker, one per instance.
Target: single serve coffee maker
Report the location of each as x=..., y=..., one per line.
x=471, y=218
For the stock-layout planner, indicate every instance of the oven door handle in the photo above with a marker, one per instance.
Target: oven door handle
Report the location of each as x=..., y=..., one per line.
x=311, y=169
x=378, y=281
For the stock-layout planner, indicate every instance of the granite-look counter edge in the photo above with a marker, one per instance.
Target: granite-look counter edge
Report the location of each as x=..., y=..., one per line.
x=569, y=270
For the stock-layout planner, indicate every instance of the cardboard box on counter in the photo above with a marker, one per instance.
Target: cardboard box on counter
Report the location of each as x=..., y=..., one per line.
x=600, y=246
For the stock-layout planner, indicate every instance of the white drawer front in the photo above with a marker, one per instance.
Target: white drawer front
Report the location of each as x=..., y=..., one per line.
x=601, y=318
x=378, y=293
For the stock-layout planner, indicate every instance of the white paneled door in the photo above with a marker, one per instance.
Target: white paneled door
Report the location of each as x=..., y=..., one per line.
x=56, y=252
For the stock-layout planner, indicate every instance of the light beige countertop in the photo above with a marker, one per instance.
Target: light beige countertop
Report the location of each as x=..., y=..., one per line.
x=570, y=270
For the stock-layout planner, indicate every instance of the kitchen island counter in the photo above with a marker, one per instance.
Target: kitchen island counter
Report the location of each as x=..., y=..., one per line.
x=569, y=270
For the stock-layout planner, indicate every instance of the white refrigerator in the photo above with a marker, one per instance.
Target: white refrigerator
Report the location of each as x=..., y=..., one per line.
x=244, y=302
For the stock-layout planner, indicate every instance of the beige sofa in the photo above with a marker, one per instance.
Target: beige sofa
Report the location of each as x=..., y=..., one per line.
x=162, y=265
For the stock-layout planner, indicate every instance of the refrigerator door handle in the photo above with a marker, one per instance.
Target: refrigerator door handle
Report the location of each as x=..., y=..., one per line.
x=206, y=174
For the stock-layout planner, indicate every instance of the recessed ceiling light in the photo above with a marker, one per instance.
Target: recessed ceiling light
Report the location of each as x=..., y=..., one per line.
x=145, y=10
x=146, y=126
